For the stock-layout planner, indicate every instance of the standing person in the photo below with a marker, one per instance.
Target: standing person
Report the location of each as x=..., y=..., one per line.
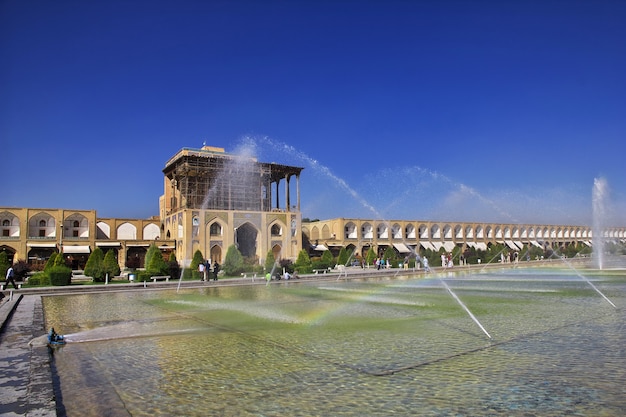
x=426, y=267
x=202, y=271
x=216, y=269
x=10, y=278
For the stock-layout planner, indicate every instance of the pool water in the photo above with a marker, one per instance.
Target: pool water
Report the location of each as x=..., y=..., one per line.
x=369, y=347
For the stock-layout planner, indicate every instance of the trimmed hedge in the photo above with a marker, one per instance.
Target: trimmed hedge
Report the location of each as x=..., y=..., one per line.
x=60, y=275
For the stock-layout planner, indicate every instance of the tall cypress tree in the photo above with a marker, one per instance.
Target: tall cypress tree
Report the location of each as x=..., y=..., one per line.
x=233, y=263
x=303, y=264
x=110, y=264
x=94, y=267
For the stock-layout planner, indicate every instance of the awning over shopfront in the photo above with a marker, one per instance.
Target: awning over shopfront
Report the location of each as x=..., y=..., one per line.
x=320, y=248
x=138, y=245
x=108, y=244
x=41, y=245
x=481, y=246
x=427, y=245
x=402, y=248
x=437, y=245
x=76, y=249
x=519, y=244
x=449, y=246
x=535, y=243
x=511, y=245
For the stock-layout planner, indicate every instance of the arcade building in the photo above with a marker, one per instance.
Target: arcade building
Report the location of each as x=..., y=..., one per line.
x=213, y=199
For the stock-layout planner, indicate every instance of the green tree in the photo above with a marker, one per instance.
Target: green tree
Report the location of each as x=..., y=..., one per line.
x=390, y=255
x=4, y=264
x=343, y=257
x=233, y=263
x=173, y=267
x=370, y=257
x=157, y=265
x=327, y=259
x=270, y=261
x=303, y=264
x=152, y=250
x=94, y=267
x=50, y=262
x=197, y=259
x=110, y=264
x=59, y=260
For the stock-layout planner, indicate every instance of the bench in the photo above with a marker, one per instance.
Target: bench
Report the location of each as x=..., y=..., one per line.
x=317, y=271
x=165, y=278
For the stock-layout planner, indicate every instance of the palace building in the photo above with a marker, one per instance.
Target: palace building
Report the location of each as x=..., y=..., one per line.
x=213, y=199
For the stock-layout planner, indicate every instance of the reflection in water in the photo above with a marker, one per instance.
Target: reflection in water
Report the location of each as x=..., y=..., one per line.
x=374, y=348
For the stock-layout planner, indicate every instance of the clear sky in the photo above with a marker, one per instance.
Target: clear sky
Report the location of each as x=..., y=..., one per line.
x=501, y=111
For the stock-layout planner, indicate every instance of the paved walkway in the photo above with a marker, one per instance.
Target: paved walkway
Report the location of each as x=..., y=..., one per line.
x=25, y=376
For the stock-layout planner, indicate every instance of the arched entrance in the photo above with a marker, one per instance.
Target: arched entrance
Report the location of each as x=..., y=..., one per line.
x=10, y=255
x=245, y=237
x=216, y=254
x=277, y=252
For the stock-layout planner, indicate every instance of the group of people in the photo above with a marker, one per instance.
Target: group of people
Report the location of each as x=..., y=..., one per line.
x=277, y=276
x=446, y=260
x=381, y=263
x=208, y=273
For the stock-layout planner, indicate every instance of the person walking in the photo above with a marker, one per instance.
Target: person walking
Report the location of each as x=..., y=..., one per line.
x=10, y=278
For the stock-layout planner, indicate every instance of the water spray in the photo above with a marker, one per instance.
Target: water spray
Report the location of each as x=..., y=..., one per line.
x=458, y=300
x=180, y=278
x=584, y=278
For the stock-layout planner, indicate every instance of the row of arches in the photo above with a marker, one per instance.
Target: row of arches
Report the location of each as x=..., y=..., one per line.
x=428, y=231
x=76, y=225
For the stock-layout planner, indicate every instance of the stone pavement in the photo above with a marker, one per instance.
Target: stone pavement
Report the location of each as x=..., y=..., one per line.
x=25, y=376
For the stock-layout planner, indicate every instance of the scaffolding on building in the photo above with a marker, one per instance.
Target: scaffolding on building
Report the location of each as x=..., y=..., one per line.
x=212, y=179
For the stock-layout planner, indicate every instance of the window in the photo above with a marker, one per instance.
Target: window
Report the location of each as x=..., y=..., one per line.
x=42, y=232
x=215, y=229
x=76, y=223
x=5, y=232
x=276, y=230
x=75, y=233
x=5, y=222
x=42, y=223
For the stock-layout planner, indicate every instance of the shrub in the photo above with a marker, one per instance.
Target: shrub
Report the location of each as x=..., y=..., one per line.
x=193, y=272
x=4, y=264
x=233, y=263
x=343, y=257
x=21, y=270
x=270, y=261
x=39, y=279
x=94, y=267
x=371, y=256
x=156, y=264
x=60, y=275
x=303, y=263
x=326, y=261
x=110, y=264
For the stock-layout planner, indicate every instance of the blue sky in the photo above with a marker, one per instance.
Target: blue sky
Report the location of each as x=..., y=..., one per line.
x=434, y=110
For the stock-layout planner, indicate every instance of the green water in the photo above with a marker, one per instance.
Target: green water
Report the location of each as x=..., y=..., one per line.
x=363, y=348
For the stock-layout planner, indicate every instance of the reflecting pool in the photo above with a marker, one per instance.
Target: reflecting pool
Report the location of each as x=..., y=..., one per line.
x=368, y=347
